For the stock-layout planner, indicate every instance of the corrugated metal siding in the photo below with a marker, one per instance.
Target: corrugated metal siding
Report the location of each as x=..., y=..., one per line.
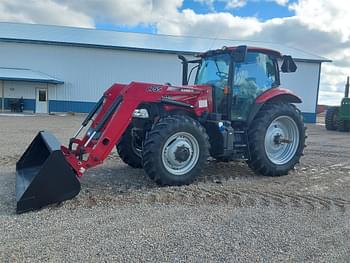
x=70, y=106
x=304, y=83
x=88, y=72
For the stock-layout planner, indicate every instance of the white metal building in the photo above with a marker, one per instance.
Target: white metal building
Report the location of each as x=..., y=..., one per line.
x=59, y=69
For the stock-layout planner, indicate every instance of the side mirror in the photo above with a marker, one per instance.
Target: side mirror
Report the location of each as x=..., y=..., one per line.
x=239, y=54
x=288, y=64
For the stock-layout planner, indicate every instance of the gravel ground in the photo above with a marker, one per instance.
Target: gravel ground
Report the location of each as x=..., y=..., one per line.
x=228, y=214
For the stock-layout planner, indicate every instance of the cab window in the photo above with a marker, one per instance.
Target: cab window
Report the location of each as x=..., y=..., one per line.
x=214, y=71
x=251, y=78
x=255, y=75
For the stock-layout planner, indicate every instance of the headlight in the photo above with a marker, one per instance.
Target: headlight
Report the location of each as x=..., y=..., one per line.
x=140, y=113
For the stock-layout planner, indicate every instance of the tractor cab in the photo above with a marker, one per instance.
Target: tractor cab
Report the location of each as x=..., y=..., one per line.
x=238, y=75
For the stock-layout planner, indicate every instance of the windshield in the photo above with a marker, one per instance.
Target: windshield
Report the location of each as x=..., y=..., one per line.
x=214, y=70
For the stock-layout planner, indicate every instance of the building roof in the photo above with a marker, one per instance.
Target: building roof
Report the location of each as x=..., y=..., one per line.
x=60, y=35
x=20, y=74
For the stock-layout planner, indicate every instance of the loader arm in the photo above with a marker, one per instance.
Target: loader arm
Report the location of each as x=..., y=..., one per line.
x=114, y=116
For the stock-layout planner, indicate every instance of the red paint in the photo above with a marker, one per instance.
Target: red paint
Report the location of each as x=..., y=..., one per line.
x=249, y=49
x=260, y=50
x=273, y=93
x=133, y=95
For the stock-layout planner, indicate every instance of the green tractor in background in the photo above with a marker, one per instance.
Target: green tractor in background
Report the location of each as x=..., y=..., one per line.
x=338, y=117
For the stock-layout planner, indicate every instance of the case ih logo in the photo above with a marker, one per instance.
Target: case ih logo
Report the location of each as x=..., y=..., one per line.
x=154, y=89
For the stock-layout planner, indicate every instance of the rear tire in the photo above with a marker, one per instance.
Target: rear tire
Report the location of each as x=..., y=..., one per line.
x=276, y=139
x=127, y=150
x=175, y=150
x=331, y=118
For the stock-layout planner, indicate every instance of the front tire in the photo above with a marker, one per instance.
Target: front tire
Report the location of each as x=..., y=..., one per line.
x=175, y=150
x=331, y=118
x=276, y=139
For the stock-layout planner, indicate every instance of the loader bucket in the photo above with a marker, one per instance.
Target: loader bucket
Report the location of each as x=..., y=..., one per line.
x=43, y=176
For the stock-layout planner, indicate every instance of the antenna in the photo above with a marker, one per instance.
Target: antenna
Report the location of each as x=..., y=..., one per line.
x=347, y=85
x=214, y=39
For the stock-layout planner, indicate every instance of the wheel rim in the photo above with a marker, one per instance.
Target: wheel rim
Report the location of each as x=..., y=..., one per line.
x=180, y=153
x=281, y=140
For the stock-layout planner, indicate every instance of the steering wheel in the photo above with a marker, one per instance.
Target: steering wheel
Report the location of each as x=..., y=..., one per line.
x=222, y=75
x=215, y=83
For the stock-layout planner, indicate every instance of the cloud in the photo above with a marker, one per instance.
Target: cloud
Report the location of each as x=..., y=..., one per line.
x=281, y=2
x=231, y=4
x=327, y=16
x=330, y=98
x=130, y=13
x=45, y=12
x=209, y=3
x=318, y=26
x=216, y=25
x=85, y=13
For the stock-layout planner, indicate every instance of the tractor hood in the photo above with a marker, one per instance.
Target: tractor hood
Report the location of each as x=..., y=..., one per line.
x=198, y=98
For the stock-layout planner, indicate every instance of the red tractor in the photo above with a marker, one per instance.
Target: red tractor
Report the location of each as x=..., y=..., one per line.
x=234, y=111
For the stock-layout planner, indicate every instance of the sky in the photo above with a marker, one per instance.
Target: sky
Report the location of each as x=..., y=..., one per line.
x=320, y=27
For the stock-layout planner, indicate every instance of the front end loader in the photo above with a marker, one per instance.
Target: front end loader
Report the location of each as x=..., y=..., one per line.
x=48, y=172
x=234, y=111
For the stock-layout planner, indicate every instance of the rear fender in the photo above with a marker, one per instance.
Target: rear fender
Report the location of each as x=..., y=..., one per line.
x=278, y=94
x=272, y=96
